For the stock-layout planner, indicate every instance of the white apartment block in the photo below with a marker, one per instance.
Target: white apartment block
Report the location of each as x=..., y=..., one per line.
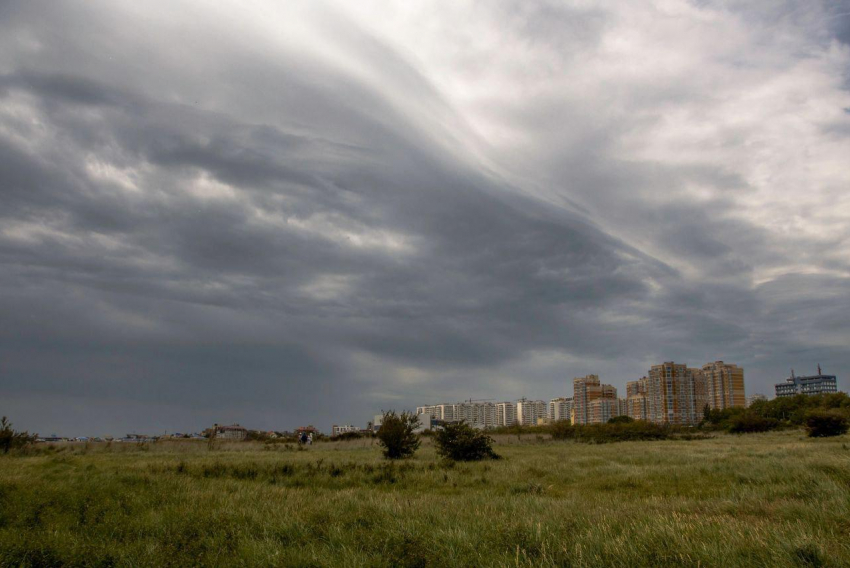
x=505, y=414
x=528, y=411
x=477, y=414
x=445, y=412
x=561, y=408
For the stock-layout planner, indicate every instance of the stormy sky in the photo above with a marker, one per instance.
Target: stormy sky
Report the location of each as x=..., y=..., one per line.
x=280, y=213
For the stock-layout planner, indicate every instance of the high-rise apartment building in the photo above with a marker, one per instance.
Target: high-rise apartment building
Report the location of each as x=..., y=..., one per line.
x=585, y=389
x=561, y=408
x=476, y=413
x=636, y=399
x=602, y=410
x=505, y=413
x=443, y=412
x=724, y=386
x=700, y=392
x=541, y=407
x=670, y=394
x=528, y=411
x=588, y=389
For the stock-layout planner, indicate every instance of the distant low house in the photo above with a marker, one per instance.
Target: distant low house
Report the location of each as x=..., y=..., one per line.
x=337, y=430
x=232, y=432
x=137, y=438
x=52, y=438
x=308, y=429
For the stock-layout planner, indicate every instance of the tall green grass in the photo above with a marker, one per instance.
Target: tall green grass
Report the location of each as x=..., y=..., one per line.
x=774, y=499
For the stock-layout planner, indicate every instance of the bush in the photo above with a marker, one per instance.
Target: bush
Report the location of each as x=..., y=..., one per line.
x=620, y=419
x=10, y=439
x=793, y=410
x=748, y=422
x=824, y=423
x=561, y=430
x=397, y=435
x=461, y=442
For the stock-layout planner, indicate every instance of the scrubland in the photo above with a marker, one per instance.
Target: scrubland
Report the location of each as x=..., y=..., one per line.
x=772, y=499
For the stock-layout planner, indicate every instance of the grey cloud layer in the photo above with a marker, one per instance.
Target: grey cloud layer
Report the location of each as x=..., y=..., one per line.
x=227, y=229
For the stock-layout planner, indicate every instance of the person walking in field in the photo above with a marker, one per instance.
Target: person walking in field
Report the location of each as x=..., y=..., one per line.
x=310, y=439
x=303, y=438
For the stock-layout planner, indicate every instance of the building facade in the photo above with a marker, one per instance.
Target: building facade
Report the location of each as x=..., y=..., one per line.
x=670, y=395
x=636, y=399
x=528, y=411
x=478, y=414
x=587, y=390
x=810, y=385
x=602, y=410
x=232, y=432
x=505, y=414
x=724, y=385
x=337, y=430
x=561, y=408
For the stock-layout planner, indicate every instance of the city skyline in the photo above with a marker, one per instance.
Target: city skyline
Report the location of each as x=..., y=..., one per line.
x=274, y=213
x=620, y=395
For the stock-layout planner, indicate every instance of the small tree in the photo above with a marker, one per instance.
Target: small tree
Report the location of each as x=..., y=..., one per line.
x=622, y=419
x=824, y=423
x=10, y=439
x=461, y=442
x=397, y=435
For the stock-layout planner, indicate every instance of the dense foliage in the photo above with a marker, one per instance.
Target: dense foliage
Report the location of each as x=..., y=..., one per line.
x=748, y=422
x=397, y=435
x=785, y=412
x=561, y=430
x=11, y=439
x=461, y=442
x=825, y=423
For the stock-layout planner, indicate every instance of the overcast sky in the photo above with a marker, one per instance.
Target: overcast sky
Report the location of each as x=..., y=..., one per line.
x=281, y=213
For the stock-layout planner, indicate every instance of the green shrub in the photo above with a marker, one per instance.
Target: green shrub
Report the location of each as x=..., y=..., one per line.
x=748, y=422
x=620, y=419
x=793, y=410
x=562, y=430
x=11, y=439
x=461, y=442
x=824, y=423
x=397, y=435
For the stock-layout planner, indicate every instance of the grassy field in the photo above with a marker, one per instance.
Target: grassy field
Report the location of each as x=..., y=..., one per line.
x=775, y=499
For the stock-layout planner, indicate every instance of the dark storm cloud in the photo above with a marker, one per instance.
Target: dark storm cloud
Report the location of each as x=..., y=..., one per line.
x=227, y=230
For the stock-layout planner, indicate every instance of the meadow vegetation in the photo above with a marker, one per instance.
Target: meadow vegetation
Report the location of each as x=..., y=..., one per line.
x=773, y=499
x=786, y=412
